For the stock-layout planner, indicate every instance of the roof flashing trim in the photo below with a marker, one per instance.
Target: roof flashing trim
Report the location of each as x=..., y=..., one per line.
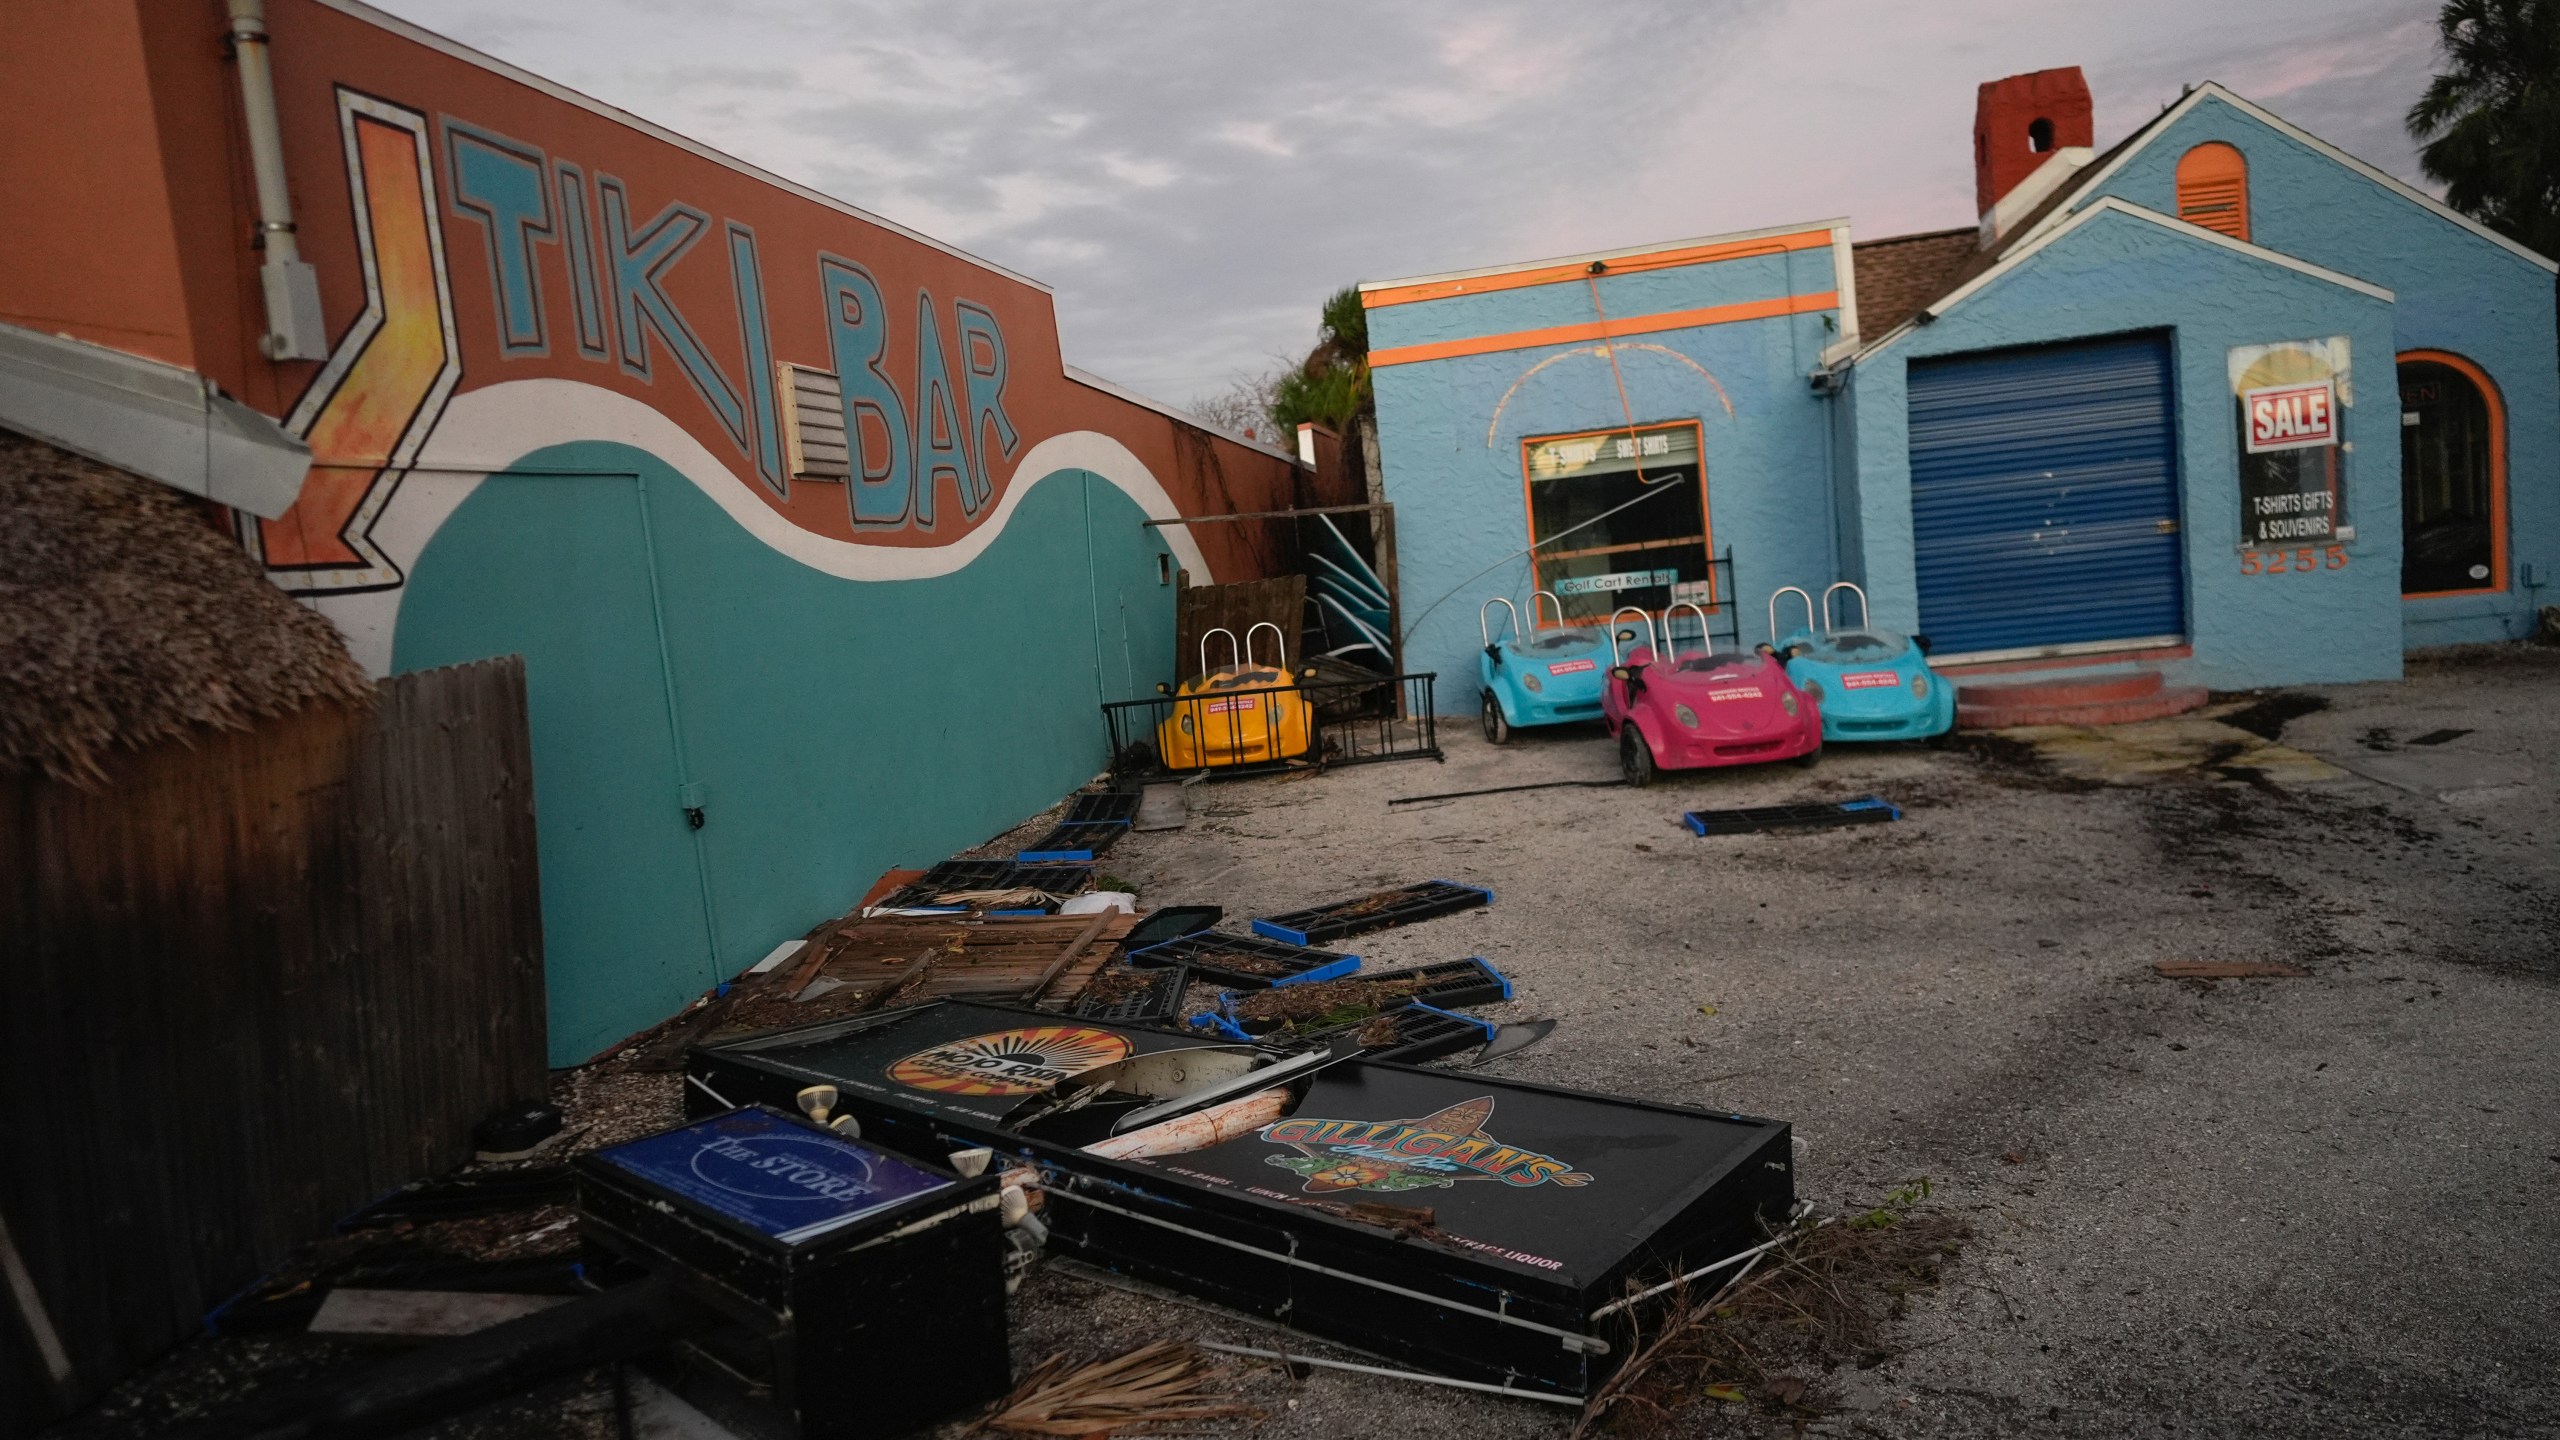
x=1624, y=253
x=2113, y=205
x=150, y=419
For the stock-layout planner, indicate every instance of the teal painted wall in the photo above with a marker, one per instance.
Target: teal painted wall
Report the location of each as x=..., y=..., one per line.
x=2454, y=291
x=838, y=727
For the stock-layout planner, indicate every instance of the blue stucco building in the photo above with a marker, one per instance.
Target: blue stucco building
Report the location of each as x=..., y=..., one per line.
x=2221, y=401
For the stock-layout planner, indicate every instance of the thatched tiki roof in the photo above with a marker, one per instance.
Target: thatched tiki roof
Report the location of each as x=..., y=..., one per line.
x=127, y=618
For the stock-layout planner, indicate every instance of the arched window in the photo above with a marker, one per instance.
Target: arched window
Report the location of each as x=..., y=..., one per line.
x=2453, y=477
x=2040, y=135
x=2213, y=189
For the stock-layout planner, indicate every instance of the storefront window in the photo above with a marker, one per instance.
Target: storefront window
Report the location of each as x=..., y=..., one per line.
x=1651, y=549
x=2451, y=463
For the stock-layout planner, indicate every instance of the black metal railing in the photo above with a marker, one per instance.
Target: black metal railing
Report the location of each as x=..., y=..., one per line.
x=1311, y=725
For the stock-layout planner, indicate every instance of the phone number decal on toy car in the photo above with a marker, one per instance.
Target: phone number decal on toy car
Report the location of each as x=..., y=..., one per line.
x=1571, y=667
x=1870, y=680
x=1738, y=692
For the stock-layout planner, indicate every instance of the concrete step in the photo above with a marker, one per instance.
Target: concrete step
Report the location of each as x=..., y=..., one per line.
x=2066, y=689
x=2163, y=702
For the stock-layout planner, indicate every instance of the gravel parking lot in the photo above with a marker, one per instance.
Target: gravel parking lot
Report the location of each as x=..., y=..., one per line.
x=2311, y=1206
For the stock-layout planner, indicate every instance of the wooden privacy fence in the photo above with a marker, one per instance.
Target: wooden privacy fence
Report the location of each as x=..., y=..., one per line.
x=251, y=983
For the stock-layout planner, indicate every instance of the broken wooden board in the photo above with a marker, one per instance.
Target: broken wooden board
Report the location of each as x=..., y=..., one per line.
x=2228, y=970
x=854, y=965
x=421, y=1314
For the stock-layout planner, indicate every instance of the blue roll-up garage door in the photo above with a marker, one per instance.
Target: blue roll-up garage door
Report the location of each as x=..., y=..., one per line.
x=2044, y=497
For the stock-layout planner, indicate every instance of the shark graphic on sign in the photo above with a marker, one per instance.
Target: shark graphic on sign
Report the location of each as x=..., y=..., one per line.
x=1434, y=1152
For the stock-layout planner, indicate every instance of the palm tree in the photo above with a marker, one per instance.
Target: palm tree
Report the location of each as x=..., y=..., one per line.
x=1332, y=387
x=2490, y=125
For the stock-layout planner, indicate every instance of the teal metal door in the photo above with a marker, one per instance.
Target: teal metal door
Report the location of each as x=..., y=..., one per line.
x=559, y=568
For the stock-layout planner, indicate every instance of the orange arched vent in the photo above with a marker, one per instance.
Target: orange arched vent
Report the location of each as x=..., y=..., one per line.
x=2213, y=189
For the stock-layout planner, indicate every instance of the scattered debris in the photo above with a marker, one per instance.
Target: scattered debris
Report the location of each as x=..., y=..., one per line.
x=2228, y=970
x=1513, y=1288
x=1248, y=961
x=453, y=1197
x=1819, y=1297
x=1872, y=810
x=1511, y=1040
x=1615, y=784
x=421, y=1314
x=1379, y=910
x=1159, y=1384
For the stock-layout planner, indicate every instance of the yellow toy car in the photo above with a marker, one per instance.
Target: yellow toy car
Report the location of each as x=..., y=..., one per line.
x=1241, y=713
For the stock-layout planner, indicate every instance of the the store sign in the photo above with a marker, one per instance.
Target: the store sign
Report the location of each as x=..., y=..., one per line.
x=1618, y=580
x=2291, y=417
x=2290, y=399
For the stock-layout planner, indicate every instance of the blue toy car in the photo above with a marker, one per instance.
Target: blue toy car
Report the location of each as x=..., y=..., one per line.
x=1550, y=676
x=1871, y=684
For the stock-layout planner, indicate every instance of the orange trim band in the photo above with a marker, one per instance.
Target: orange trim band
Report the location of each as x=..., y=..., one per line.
x=1623, y=265
x=2497, y=404
x=1606, y=329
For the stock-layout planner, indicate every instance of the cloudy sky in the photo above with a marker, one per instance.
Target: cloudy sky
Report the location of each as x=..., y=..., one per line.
x=1194, y=177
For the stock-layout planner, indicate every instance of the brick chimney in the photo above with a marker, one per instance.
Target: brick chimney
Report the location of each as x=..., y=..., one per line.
x=2019, y=122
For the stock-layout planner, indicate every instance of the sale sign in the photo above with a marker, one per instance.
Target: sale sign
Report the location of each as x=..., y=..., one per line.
x=2291, y=417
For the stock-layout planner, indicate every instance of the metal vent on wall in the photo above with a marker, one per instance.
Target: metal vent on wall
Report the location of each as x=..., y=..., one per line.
x=813, y=441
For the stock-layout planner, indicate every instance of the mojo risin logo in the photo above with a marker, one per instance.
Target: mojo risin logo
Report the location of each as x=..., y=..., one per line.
x=1436, y=1151
x=1010, y=1062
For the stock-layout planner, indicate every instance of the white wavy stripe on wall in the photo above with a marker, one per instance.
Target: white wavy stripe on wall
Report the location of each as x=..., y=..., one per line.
x=489, y=431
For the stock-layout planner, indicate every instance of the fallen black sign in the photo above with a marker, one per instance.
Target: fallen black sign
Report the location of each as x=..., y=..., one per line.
x=1466, y=1225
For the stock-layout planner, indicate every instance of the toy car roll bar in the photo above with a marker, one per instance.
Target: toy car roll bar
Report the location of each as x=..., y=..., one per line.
x=1671, y=641
x=1235, y=652
x=1811, y=622
x=1277, y=635
x=1533, y=607
x=1484, y=626
x=1650, y=637
x=1826, y=603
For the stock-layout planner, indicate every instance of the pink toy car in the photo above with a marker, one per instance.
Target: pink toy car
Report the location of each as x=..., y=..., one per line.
x=1685, y=712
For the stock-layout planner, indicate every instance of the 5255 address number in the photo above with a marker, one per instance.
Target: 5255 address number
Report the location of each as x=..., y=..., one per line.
x=2299, y=562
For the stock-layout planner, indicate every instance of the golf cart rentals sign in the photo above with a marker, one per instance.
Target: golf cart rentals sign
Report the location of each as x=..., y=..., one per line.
x=1434, y=1152
x=2292, y=397
x=1010, y=1062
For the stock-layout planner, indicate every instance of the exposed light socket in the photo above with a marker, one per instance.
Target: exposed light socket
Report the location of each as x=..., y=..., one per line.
x=295, y=328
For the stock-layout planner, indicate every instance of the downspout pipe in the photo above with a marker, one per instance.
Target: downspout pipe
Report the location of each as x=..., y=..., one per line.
x=295, y=330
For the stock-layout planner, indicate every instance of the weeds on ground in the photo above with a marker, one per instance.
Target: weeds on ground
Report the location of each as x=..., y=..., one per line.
x=1821, y=1296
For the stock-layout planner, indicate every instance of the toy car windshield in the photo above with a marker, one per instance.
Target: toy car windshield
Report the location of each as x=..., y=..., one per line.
x=1712, y=662
x=1548, y=642
x=1848, y=646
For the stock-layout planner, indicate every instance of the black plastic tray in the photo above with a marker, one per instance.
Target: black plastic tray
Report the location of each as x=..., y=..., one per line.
x=1301, y=964
x=1102, y=808
x=1074, y=841
x=1874, y=810
x=1054, y=880
x=1158, y=1003
x=1449, y=984
x=1171, y=922
x=1377, y=910
x=1423, y=1032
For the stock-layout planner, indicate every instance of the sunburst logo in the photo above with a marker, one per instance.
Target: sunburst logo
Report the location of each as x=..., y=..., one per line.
x=1010, y=1062
x=1434, y=1152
